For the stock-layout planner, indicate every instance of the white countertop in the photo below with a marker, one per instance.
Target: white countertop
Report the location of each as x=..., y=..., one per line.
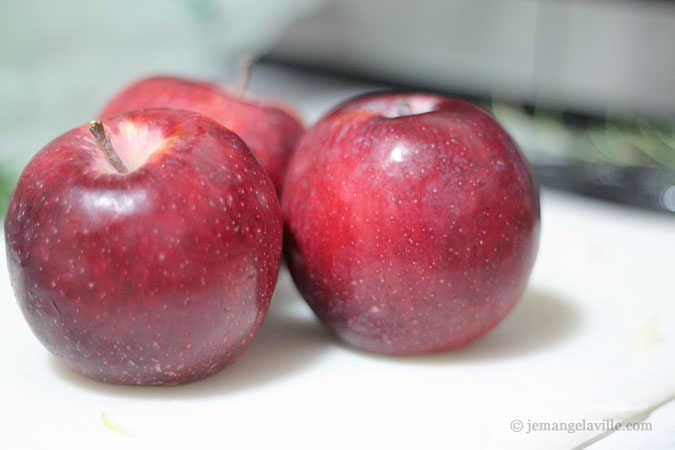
x=592, y=339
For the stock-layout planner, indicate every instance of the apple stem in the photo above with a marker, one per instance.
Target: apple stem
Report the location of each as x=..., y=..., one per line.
x=404, y=108
x=243, y=75
x=103, y=142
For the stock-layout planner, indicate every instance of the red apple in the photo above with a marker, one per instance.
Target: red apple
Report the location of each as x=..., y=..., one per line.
x=156, y=267
x=270, y=130
x=412, y=222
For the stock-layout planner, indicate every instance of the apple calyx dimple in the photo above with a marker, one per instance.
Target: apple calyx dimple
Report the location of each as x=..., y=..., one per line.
x=103, y=142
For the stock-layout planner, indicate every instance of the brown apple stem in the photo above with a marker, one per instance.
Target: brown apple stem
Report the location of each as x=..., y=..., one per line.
x=243, y=75
x=404, y=108
x=103, y=142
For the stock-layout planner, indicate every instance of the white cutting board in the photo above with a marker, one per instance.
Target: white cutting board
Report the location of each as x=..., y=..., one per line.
x=593, y=338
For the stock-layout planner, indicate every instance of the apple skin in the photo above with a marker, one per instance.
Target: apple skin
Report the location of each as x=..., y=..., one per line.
x=161, y=275
x=271, y=131
x=411, y=222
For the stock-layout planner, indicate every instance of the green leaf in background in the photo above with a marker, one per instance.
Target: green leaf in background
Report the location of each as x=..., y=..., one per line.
x=619, y=141
x=6, y=185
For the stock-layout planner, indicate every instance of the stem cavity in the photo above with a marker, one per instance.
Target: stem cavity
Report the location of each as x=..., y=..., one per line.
x=103, y=142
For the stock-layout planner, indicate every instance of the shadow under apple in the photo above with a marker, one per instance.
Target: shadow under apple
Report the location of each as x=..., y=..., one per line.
x=290, y=339
x=539, y=320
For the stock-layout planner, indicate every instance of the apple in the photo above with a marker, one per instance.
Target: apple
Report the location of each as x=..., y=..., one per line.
x=270, y=130
x=411, y=222
x=146, y=251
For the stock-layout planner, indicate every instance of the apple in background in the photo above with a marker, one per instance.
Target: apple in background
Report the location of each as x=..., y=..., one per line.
x=147, y=255
x=412, y=222
x=270, y=130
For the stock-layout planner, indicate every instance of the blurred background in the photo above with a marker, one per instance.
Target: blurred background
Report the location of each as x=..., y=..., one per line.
x=586, y=87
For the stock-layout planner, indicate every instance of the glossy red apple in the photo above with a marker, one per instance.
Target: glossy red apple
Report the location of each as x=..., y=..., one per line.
x=156, y=267
x=270, y=130
x=412, y=222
